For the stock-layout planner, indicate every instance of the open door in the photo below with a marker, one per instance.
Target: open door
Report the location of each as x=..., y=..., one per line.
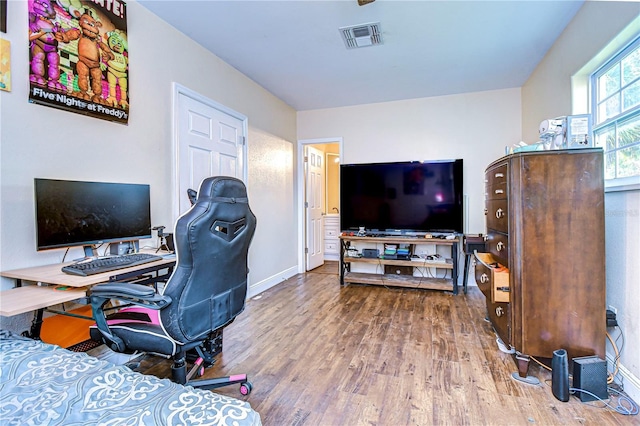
x=314, y=207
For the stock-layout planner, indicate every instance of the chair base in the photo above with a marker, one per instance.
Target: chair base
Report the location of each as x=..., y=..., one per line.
x=208, y=384
x=179, y=375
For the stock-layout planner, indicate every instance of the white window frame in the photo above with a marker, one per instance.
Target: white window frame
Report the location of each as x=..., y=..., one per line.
x=624, y=183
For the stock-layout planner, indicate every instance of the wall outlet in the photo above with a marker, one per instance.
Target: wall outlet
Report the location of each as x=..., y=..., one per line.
x=612, y=314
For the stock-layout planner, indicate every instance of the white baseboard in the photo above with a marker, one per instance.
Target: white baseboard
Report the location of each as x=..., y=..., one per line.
x=630, y=383
x=266, y=284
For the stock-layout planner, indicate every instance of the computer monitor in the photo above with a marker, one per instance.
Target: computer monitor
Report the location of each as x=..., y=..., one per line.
x=76, y=213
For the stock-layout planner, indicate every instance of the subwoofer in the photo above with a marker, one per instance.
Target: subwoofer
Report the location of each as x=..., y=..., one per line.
x=590, y=374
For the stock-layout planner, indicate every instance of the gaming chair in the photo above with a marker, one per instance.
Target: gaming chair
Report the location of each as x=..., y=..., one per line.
x=205, y=292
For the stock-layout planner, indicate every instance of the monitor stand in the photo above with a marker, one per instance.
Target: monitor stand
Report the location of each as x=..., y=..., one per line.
x=90, y=251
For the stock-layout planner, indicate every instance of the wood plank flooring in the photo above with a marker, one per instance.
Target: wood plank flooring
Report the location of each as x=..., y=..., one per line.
x=319, y=354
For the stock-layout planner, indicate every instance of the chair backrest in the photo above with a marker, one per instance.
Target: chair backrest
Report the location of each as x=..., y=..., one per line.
x=209, y=284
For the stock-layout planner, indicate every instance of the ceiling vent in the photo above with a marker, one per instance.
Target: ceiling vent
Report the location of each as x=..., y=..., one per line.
x=362, y=35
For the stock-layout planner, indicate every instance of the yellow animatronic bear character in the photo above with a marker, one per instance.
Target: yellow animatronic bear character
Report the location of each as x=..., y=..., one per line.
x=117, y=68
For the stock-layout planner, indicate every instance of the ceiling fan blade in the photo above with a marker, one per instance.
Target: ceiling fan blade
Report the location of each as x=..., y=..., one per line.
x=363, y=2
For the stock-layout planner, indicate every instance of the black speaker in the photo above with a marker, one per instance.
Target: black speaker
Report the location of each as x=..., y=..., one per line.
x=170, y=246
x=590, y=374
x=560, y=375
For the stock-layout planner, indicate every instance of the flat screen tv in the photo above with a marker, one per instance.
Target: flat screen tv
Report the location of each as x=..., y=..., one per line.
x=404, y=197
x=75, y=213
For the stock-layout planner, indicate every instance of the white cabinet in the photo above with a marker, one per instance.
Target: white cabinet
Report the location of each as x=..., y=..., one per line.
x=332, y=237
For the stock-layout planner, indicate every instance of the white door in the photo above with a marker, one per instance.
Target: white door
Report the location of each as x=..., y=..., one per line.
x=210, y=142
x=314, y=207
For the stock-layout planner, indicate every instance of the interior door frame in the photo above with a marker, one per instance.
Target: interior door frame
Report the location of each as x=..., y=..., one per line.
x=177, y=90
x=300, y=180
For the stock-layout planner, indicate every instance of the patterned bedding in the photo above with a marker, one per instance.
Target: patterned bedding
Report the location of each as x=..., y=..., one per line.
x=43, y=384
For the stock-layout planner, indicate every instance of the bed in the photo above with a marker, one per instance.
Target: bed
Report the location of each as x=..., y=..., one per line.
x=45, y=384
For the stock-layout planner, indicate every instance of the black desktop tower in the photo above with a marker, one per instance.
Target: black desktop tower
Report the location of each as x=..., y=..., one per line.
x=590, y=374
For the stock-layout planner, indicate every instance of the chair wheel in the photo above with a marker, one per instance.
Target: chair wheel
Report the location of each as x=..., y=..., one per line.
x=245, y=388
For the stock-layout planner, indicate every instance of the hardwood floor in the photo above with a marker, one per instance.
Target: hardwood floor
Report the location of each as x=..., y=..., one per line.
x=319, y=354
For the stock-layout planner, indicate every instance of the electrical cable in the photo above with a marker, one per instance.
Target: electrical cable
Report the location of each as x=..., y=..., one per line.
x=620, y=408
x=540, y=363
x=65, y=254
x=611, y=376
x=633, y=411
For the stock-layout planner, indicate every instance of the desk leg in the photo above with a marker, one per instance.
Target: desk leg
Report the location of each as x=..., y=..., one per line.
x=36, y=325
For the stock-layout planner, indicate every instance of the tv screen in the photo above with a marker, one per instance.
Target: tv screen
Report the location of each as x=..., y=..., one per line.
x=402, y=197
x=74, y=213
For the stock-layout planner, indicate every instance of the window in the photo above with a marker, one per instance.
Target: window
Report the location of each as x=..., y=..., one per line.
x=616, y=114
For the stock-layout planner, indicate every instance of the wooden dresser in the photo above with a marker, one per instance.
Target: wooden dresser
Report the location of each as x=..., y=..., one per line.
x=544, y=271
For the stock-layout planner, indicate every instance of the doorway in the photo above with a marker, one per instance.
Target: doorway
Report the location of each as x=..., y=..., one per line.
x=319, y=195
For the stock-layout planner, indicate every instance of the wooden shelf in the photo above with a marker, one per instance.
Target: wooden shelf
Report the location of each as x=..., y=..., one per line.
x=395, y=262
x=19, y=300
x=402, y=240
x=406, y=277
x=399, y=280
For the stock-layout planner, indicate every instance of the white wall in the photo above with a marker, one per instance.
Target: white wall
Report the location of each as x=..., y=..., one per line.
x=598, y=29
x=38, y=141
x=473, y=126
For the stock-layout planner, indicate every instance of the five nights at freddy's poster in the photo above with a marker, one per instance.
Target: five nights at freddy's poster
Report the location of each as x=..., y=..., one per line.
x=79, y=57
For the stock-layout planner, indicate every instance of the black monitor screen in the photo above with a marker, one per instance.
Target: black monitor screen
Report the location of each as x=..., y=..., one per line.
x=73, y=213
x=417, y=196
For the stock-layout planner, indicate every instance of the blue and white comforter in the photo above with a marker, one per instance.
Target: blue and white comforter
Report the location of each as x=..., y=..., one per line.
x=43, y=384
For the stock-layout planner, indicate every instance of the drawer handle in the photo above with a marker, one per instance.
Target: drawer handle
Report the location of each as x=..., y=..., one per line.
x=484, y=278
x=499, y=191
x=499, y=175
x=505, y=289
x=499, y=311
x=486, y=211
x=499, y=213
x=500, y=246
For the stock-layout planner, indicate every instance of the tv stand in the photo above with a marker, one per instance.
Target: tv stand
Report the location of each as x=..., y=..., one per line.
x=422, y=273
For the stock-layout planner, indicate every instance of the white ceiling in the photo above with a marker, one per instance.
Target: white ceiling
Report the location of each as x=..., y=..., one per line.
x=430, y=48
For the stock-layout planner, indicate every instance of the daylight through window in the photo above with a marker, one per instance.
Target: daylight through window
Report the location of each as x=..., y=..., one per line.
x=616, y=101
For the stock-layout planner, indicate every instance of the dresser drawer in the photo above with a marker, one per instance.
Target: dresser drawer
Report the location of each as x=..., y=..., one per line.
x=498, y=246
x=496, y=183
x=492, y=278
x=500, y=317
x=331, y=233
x=482, y=275
x=497, y=175
x=331, y=247
x=497, y=215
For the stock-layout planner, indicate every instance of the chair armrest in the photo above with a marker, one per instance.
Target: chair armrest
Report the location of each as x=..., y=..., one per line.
x=133, y=293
